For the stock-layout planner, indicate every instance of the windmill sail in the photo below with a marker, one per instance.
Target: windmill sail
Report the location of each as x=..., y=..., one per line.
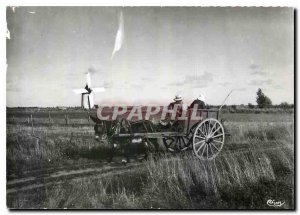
x=87, y=98
x=80, y=91
x=88, y=80
x=98, y=89
x=120, y=36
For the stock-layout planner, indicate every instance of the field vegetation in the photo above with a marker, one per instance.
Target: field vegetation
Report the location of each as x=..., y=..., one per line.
x=255, y=165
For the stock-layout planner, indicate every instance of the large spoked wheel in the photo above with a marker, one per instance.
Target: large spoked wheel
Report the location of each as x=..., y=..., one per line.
x=176, y=144
x=208, y=139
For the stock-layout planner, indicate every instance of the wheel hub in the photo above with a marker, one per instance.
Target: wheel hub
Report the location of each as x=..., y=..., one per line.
x=208, y=140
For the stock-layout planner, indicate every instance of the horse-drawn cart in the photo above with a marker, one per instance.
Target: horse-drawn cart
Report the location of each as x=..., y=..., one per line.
x=204, y=136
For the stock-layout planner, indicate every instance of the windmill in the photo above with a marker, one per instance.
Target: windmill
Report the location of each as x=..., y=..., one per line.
x=87, y=99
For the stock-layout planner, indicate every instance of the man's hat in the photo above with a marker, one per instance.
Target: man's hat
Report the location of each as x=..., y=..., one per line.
x=178, y=98
x=201, y=98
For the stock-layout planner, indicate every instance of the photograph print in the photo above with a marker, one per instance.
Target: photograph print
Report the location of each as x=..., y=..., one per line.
x=150, y=108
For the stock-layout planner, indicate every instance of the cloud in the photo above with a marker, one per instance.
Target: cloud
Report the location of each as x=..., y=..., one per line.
x=147, y=79
x=137, y=86
x=179, y=83
x=258, y=72
x=259, y=82
x=10, y=88
x=240, y=89
x=107, y=84
x=224, y=84
x=93, y=70
x=278, y=87
x=164, y=87
x=198, y=81
x=254, y=66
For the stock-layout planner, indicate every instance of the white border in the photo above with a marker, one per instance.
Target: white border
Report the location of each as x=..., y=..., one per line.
x=4, y=3
x=290, y=3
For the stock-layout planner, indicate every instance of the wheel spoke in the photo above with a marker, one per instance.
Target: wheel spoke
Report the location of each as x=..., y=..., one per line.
x=207, y=152
x=203, y=150
x=202, y=132
x=218, y=141
x=207, y=128
x=176, y=143
x=200, y=137
x=200, y=148
x=204, y=129
x=213, y=128
x=208, y=125
x=183, y=145
x=218, y=135
x=216, y=131
x=214, y=146
x=179, y=143
x=199, y=142
x=172, y=142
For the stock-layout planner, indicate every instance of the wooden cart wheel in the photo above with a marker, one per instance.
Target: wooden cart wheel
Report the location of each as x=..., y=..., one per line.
x=208, y=139
x=176, y=144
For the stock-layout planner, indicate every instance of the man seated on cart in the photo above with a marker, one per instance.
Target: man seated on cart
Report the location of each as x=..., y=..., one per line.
x=178, y=106
x=197, y=104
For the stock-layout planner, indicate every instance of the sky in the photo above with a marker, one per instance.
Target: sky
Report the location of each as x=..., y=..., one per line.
x=166, y=51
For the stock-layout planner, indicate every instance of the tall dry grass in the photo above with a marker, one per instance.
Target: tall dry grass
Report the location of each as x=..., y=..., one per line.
x=256, y=164
x=231, y=181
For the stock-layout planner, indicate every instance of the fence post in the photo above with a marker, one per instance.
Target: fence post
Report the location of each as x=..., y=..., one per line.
x=31, y=123
x=66, y=119
x=49, y=116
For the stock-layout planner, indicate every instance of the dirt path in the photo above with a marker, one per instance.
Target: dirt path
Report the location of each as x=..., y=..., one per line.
x=57, y=175
x=47, y=177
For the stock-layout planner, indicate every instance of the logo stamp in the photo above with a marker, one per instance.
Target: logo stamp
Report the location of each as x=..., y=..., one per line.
x=273, y=203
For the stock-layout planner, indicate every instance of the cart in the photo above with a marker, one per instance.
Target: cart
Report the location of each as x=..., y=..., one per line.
x=205, y=137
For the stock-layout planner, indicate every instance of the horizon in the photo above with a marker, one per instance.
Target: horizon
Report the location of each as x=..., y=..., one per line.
x=119, y=105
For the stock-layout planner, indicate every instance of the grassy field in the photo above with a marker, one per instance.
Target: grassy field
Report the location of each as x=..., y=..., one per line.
x=255, y=165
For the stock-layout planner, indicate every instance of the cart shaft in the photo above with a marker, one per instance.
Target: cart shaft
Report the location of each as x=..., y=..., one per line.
x=155, y=135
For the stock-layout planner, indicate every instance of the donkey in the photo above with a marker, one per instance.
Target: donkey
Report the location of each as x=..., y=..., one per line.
x=130, y=147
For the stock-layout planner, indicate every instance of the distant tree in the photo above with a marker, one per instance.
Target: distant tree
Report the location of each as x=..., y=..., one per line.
x=286, y=105
x=251, y=106
x=262, y=100
x=233, y=107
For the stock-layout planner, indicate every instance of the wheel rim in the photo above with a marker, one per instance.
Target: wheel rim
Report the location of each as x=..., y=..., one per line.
x=208, y=139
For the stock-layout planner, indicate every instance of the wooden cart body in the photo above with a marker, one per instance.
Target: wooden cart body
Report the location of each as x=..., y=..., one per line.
x=205, y=137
